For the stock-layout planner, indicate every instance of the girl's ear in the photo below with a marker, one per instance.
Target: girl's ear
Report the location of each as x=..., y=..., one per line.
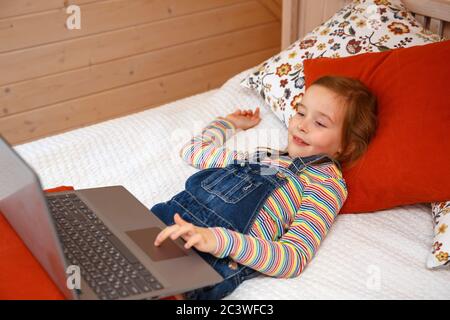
x=339, y=151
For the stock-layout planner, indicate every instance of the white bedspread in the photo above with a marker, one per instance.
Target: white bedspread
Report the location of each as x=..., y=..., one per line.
x=374, y=256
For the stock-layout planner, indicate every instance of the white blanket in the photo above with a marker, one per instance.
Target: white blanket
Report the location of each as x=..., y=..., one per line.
x=376, y=256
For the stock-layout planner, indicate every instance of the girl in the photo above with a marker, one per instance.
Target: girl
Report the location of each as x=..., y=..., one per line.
x=245, y=220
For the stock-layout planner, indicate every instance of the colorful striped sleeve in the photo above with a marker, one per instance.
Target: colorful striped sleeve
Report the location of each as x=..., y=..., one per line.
x=206, y=149
x=287, y=257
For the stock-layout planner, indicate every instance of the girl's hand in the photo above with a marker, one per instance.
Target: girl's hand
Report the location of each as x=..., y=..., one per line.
x=244, y=119
x=201, y=238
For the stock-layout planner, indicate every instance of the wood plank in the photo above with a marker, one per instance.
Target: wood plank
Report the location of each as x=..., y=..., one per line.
x=421, y=19
x=273, y=7
x=124, y=100
x=289, y=29
x=314, y=12
x=14, y=8
x=35, y=93
x=438, y=9
x=27, y=31
x=446, y=31
x=436, y=26
x=68, y=55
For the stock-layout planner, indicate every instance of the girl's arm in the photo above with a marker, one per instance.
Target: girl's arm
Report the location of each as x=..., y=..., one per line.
x=206, y=149
x=288, y=256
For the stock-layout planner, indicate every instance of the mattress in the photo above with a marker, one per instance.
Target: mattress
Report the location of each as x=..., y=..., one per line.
x=365, y=256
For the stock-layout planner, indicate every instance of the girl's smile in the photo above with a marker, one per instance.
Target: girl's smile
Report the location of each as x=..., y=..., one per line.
x=299, y=141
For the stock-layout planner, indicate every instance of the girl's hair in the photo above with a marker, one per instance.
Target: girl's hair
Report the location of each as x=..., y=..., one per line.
x=361, y=116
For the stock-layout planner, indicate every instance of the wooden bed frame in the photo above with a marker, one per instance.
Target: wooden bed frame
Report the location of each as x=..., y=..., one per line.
x=301, y=16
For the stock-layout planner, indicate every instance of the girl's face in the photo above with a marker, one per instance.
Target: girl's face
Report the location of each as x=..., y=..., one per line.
x=317, y=126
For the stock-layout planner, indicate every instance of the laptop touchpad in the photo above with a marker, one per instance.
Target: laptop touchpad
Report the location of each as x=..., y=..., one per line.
x=145, y=239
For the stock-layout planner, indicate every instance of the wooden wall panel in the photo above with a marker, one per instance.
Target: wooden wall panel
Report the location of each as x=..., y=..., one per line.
x=84, y=81
x=135, y=97
x=128, y=56
x=14, y=8
x=274, y=7
x=100, y=16
x=85, y=51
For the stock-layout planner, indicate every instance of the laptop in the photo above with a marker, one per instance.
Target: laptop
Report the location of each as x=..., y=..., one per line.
x=96, y=243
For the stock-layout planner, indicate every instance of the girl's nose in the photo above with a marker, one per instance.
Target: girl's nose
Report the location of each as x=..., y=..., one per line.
x=303, y=126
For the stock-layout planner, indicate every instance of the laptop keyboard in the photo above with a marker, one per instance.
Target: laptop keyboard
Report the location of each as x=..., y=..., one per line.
x=109, y=267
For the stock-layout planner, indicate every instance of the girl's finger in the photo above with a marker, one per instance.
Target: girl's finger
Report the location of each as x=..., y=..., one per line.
x=165, y=233
x=186, y=229
x=196, y=238
x=179, y=220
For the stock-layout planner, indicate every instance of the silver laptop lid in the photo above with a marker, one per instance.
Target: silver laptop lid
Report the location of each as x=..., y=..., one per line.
x=24, y=206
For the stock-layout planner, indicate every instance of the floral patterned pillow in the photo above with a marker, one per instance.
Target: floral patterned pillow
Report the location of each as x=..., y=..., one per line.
x=359, y=27
x=439, y=255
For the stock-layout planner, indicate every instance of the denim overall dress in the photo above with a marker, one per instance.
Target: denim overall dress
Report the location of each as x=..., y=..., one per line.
x=228, y=197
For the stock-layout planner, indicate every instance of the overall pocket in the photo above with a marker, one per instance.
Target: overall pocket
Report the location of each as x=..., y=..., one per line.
x=229, y=184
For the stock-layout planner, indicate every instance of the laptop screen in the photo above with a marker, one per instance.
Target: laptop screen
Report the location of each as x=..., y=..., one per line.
x=23, y=204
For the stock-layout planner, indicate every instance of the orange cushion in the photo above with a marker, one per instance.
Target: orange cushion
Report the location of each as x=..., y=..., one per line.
x=21, y=275
x=408, y=160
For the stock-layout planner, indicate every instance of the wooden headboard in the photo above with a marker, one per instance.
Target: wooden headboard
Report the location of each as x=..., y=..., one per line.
x=301, y=16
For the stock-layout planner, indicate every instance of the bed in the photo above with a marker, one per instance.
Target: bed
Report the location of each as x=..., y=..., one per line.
x=364, y=256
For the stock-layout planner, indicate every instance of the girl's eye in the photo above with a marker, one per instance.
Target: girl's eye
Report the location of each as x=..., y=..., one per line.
x=320, y=124
x=317, y=122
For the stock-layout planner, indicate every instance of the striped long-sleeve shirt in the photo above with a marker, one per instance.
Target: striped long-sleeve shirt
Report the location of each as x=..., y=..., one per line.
x=293, y=221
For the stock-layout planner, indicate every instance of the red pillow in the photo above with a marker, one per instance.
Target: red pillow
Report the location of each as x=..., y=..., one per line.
x=408, y=161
